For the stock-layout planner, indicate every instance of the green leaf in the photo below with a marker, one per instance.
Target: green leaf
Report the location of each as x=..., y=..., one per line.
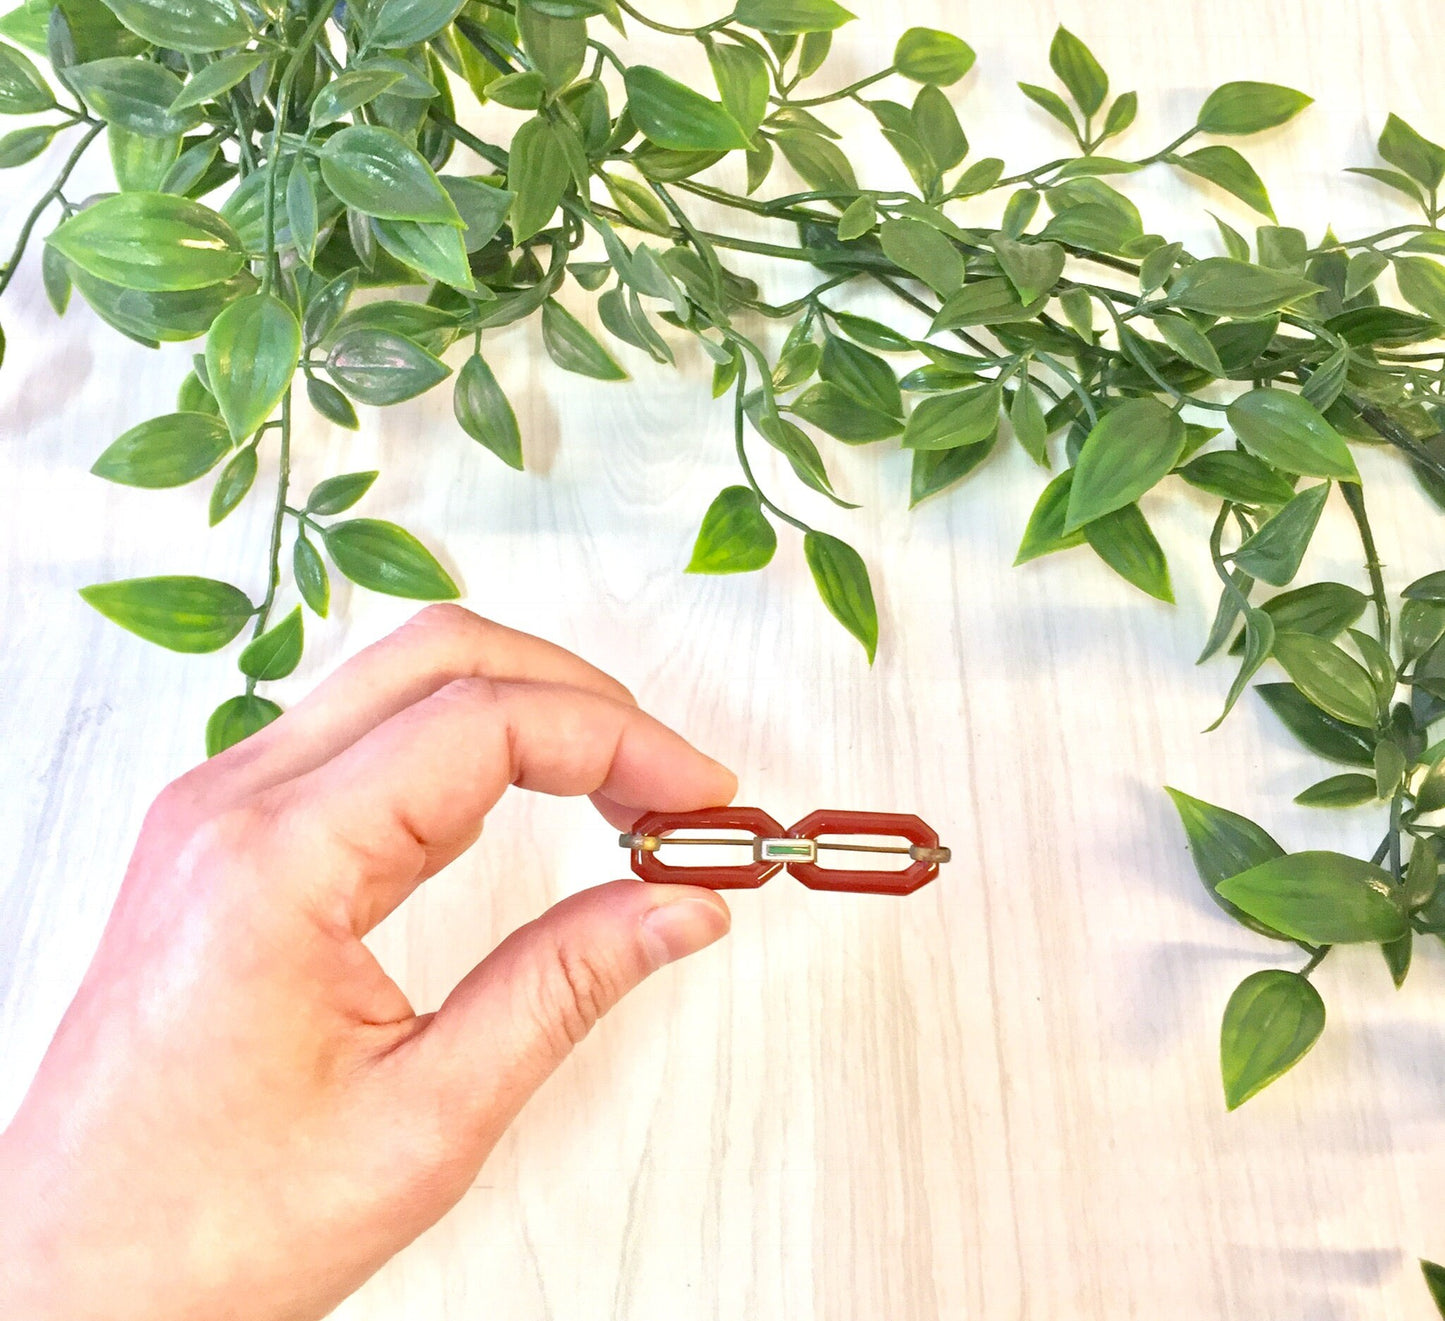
x=1348, y=790
x=960, y=417
x=742, y=78
x=872, y=334
x=1229, y=170
x=1324, y=609
x=1245, y=107
x=387, y=558
x=214, y=80
x=1052, y=104
x=436, y=251
x=23, y=145
x=1418, y=157
x=1239, y=477
x=1289, y=432
x=276, y=652
x=1121, y=114
x=335, y=495
x=1321, y=897
x=927, y=55
x=381, y=367
x=935, y=123
x=237, y=718
x=1124, y=541
x=1435, y=1282
x=1032, y=268
x=373, y=169
x=573, y=347
x=1270, y=1023
x=674, y=116
x=1222, y=286
x=1130, y=449
x=786, y=17
x=841, y=415
x=1079, y=71
x=56, y=278
x=735, y=537
x=312, y=580
x=859, y=218
x=1321, y=733
x=196, y=27
x=484, y=413
x=395, y=23
x=150, y=241
x=165, y=451
x=987, y=302
x=233, y=484
x=1324, y=384
x=483, y=209
x=1259, y=635
x=334, y=406
x=820, y=162
x=251, y=355
x=538, y=175
x=180, y=612
x=1328, y=677
x=1422, y=285
x=933, y=471
x=1223, y=844
x=923, y=252
x=1045, y=531
x=1026, y=416
x=842, y=581
x=23, y=91
x=862, y=375
x=350, y=91
x=1429, y=588
x=302, y=214
x=1273, y=553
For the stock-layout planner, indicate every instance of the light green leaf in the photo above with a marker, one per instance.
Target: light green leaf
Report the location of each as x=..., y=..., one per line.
x=350, y=91
x=436, y=251
x=842, y=582
x=1245, y=107
x=165, y=451
x=786, y=17
x=1079, y=71
x=236, y=719
x=179, y=612
x=251, y=355
x=23, y=90
x=1032, y=268
x=1273, y=553
x=233, y=484
x=1270, y=1023
x=1418, y=157
x=1124, y=541
x=573, y=347
x=927, y=55
x=386, y=558
x=1348, y=790
x=312, y=580
x=842, y=416
x=1289, y=432
x=1422, y=284
x=539, y=175
x=923, y=252
x=1229, y=170
x=374, y=170
x=1321, y=897
x=1223, y=286
x=743, y=80
x=1045, y=531
x=1130, y=449
x=1329, y=677
x=674, y=116
x=276, y=652
x=196, y=27
x=960, y=417
x=735, y=537
x=136, y=94
x=335, y=495
x=557, y=44
x=396, y=23
x=212, y=81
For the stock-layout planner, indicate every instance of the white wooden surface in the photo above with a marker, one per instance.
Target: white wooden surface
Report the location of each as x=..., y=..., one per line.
x=998, y=1099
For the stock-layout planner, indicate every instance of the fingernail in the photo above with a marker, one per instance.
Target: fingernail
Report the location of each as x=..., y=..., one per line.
x=680, y=928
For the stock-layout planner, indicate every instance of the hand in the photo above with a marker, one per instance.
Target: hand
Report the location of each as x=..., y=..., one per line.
x=240, y=1116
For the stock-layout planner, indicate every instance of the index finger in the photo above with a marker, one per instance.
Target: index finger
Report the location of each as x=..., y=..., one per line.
x=408, y=797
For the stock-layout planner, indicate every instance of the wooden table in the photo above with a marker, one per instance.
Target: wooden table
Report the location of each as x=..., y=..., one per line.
x=998, y=1099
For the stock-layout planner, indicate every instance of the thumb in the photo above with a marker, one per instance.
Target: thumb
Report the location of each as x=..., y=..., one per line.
x=516, y=1016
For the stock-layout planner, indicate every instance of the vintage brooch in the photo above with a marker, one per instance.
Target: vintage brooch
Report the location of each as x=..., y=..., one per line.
x=797, y=849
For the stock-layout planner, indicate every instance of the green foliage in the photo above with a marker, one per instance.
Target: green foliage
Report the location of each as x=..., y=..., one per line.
x=269, y=165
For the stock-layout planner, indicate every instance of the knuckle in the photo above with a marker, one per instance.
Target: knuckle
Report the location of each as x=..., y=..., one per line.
x=578, y=991
x=444, y=617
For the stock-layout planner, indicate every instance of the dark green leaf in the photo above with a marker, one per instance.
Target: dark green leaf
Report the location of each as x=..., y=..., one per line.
x=387, y=558
x=1121, y=114
x=1239, y=477
x=841, y=415
x=1124, y=541
x=1270, y=1023
x=933, y=471
x=1026, y=416
x=842, y=580
x=1223, y=844
x=301, y=213
x=1324, y=609
x=1289, y=432
x=276, y=652
x=165, y=451
x=1429, y=588
x=1245, y=107
x=212, y=81
x=1045, y=531
x=1349, y=790
x=1079, y=71
x=335, y=495
x=150, y=241
x=1324, y=898
x=1328, y=677
x=381, y=367
x=334, y=406
x=735, y=537
x=435, y=250
x=180, y=612
x=1222, y=286
x=539, y=175
x=928, y=56
x=312, y=580
x=962, y=417
x=1032, y=268
x=484, y=413
x=923, y=252
x=1421, y=159
x=23, y=91
x=1126, y=453
x=251, y=355
x=22, y=145
x=1259, y=634
x=350, y=91
x=135, y=94
x=936, y=126
x=1274, y=552
x=573, y=347
x=1319, y=732
x=986, y=302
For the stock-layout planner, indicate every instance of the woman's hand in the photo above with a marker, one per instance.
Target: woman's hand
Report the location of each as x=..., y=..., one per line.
x=240, y=1115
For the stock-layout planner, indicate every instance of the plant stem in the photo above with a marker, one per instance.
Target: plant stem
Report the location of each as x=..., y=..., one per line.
x=278, y=518
x=739, y=433
x=46, y=199
x=1316, y=959
x=1355, y=498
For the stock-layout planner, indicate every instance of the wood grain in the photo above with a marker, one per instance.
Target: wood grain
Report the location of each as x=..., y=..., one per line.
x=998, y=1099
